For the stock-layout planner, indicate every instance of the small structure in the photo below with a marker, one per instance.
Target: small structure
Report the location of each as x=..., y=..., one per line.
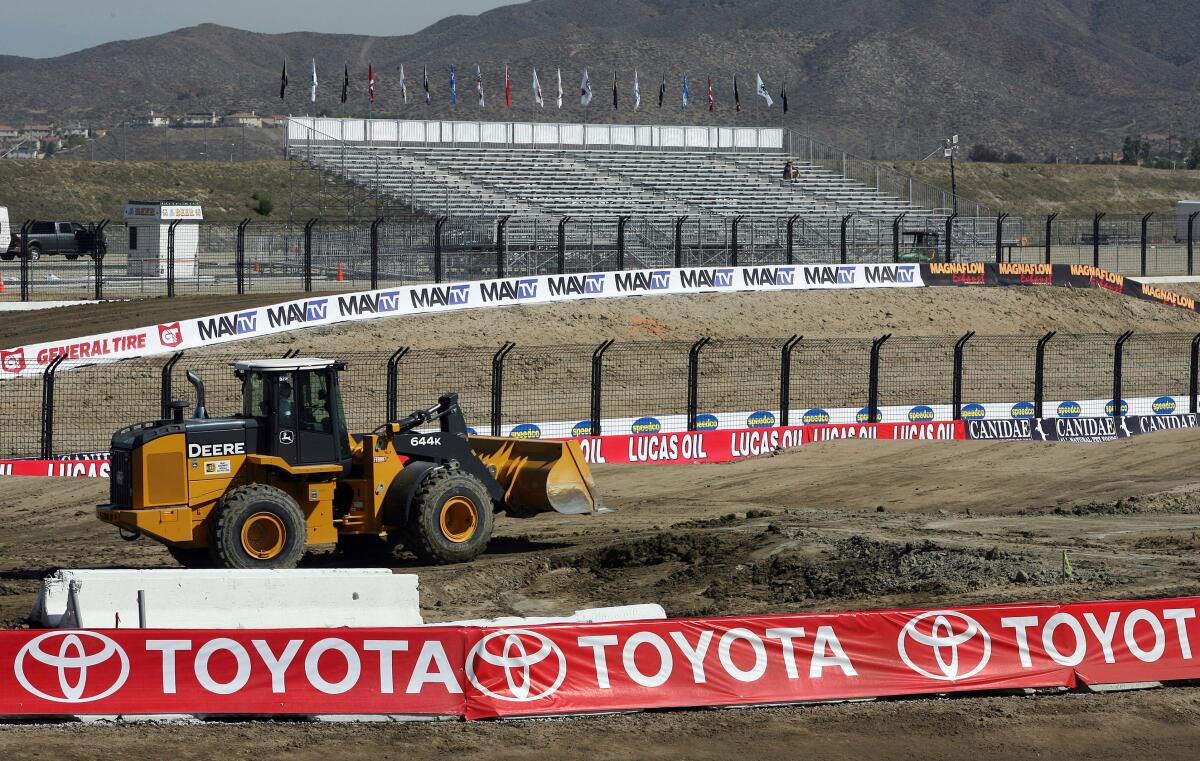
x=149, y=237
x=199, y=120
x=153, y=120
x=1182, y=212
x=243, y=119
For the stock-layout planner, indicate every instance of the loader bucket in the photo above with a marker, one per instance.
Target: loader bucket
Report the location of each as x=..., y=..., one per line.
x=539, y=476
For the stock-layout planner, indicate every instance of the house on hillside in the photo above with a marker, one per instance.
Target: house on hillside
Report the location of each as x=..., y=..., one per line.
x=74, y=130
x=243, y=119
x=36, y=131
x=8, y=133
x=153, y=120
x=273, y=121
x=199, y=120
x=24, y=151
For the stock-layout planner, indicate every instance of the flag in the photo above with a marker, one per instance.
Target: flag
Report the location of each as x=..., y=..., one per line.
x=614, y=91
x=346, y=84
x=737, y=98
x=537, y=91
x=712, y=98
x=507, y=88
x=403, y=85
x=283, y=81
x=560, y=92
x=761, y=90
x=585, y=90
x=637, y=92
x=371, y=80
x=783, y=97
x=314, y=82
x=685, y=91
x=453, y=87
x=479, y=85
x=425, y=83
x=662, y=90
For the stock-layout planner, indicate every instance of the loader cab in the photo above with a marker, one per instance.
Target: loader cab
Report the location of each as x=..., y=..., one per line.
x=298, y=406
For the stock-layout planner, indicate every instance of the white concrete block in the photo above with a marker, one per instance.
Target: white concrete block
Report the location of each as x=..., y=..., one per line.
x=221, y=599
x=638, y=612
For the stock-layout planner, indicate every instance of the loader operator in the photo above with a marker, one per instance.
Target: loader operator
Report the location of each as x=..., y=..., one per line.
x=287, y=404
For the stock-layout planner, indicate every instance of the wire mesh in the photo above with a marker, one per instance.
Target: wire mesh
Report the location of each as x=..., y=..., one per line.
x=914, y=374
x=422, y=375
x=828, y=374
x=645, y=379
x=738, y=375
x=547, y=384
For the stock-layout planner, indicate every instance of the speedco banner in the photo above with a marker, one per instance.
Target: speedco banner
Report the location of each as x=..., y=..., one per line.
x=427, y=299
x=571, y=668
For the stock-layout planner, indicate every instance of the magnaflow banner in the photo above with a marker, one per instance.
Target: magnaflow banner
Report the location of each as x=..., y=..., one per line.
x=1079, y=429
x=428, y=299
x=479, y=673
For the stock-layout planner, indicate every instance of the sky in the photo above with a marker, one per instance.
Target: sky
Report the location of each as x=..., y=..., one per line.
x=29, y=30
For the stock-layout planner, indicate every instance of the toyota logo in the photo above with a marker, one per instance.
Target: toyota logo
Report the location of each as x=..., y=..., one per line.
x=76, y=669
x=516, y=655
x=942, y=639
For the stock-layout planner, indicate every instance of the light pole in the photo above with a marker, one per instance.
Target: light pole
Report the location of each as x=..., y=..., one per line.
x=950, y=148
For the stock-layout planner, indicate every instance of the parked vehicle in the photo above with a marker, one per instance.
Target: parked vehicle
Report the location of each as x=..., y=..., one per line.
x=5, y=227
x=70, y=239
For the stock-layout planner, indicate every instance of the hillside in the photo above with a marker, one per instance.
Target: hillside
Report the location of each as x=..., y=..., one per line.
x=1039, y=75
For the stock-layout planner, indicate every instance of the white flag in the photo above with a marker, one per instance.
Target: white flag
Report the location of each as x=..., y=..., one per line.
x=762, y=91
x=560, y=92
x=585, y=90
x=314, y=82
x=637, y=91
x=403, y=85
x=537, y=91
x=479, y=85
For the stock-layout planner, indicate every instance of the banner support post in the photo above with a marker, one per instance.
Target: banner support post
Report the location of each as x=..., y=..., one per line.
x=959, y=346
x=597, y=381
x=1039, y=373
x=1118, y=354
x=873, y=382
x=785, y=379
x=498, y=384
x=693, y=381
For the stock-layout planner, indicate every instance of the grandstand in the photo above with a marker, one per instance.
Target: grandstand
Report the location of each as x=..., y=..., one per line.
x=465, y=168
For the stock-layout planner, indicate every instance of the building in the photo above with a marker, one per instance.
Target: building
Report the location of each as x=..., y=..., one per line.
x=75, y=130
x=199, y=120
x=24, y=151
x=9, y=133
x=36, y=131
x=153, y=120
x=243, y=119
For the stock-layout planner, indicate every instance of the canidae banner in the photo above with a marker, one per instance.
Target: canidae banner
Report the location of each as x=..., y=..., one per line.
x=535, y=670
x=427, y=299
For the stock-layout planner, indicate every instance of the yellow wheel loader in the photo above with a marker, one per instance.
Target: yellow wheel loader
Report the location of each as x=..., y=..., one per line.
x=255, y=490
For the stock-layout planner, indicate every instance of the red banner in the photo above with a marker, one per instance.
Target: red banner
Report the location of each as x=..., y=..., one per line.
x=578, y=668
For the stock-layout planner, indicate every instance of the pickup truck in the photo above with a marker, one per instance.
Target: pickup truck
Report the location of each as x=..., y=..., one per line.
x=70, y=239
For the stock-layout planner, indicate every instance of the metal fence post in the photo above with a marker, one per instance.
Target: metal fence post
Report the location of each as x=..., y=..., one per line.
x=1000, y=236
x=1191, y=239
x=1096, y=238
x=956, y=391
x=48, y=407
x=498, y=384
x=99, y=249
x=375, y=253
x=597, y=381
x=25, y=228
x=171, y=258
x=1145, y=234
x=1039, y=373
x=621, y=222
x=733, y=240
x=950, y=235
x=1118, y=353
x=785, y=379
x=501, y=223
x=239, y=256
x=873, y=380
x=308, y=228
x=164, y=392
x=896, y=235
x=693, y=381
x=393, y=384
x=1194, y=375
x=1049, y=232
x=562, y=245
x=844, y=248
x=679, y=241
x=437, y=248
x=791, y=241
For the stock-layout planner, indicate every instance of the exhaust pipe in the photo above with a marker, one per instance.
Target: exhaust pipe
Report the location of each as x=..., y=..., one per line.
x=201, y=412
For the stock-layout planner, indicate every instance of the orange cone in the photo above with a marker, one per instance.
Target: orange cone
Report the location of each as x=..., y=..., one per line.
x=341, y=275
x=1, y=284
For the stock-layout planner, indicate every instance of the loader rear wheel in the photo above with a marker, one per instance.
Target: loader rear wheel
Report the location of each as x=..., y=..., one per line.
x=451, y=519
x=258, y=526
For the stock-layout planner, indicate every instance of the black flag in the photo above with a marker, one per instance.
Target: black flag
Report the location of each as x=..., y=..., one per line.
x=737, y=99
x=783, y=97
x=425, y=82
x=614, y=92
x=346, y=84
x=283, y=81
x=662, y=90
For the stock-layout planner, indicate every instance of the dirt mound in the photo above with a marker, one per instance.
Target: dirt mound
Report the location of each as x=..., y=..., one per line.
x=1186, y=502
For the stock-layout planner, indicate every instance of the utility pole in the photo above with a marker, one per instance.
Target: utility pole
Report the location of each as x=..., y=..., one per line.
x=951, y=149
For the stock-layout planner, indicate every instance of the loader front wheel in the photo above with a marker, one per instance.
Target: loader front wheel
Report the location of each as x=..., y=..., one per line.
x=258, y=526
x=451, y=519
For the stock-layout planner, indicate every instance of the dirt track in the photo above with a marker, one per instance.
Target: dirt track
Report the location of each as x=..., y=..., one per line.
x=966, y=522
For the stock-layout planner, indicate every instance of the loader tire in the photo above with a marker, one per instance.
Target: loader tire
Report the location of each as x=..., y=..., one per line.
x=451, y=519
x=191, y=557
x=258, y=526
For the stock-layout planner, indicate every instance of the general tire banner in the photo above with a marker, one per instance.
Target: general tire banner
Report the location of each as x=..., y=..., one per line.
x=433, y=298
x=535, y=670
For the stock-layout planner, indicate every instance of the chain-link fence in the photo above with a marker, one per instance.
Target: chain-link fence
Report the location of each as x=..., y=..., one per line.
x=647, y=386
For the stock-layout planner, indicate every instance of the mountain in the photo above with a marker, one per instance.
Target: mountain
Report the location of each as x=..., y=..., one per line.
x=888, y=77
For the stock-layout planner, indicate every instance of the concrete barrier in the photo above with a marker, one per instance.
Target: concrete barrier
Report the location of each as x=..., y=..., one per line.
x=638, y=612
x=221, y=599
